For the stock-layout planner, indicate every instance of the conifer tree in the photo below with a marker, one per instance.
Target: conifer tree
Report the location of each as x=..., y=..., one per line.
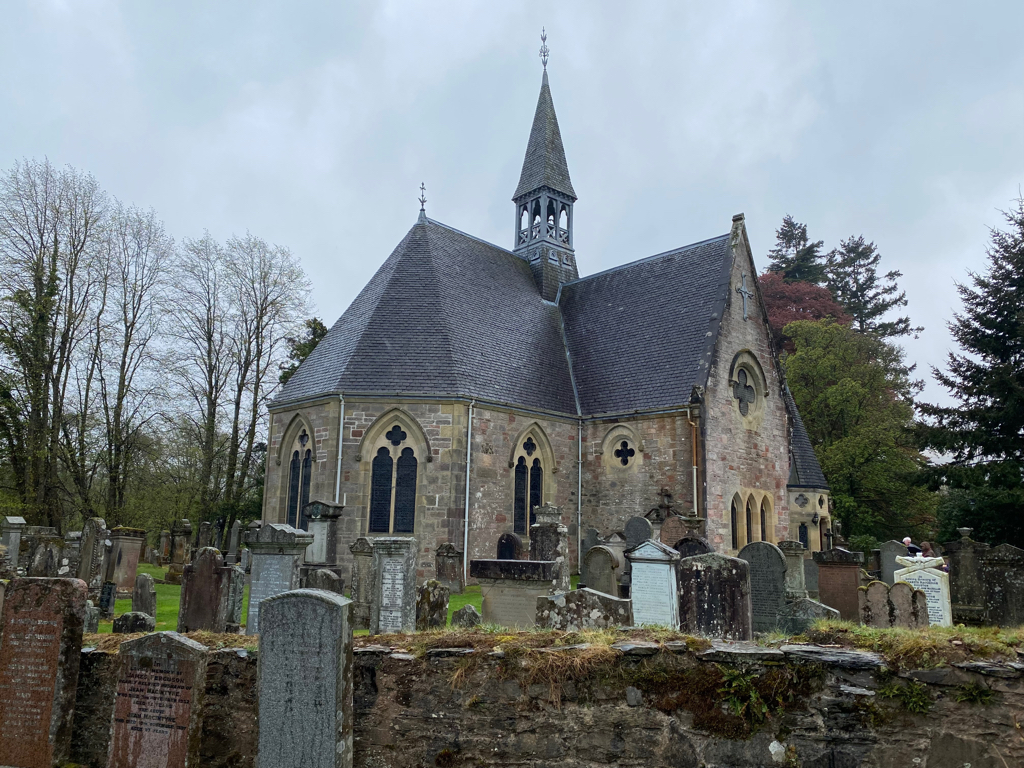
x=852, y=276
x=984, y=432
x=301, y=348
x=794, y=257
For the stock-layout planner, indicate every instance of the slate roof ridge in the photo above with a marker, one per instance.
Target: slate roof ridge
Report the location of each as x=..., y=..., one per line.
x=473, y=237
x=644, y=260
x=705, y=361
x=545, y=163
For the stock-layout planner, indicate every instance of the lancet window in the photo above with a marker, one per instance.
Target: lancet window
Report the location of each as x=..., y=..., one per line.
x=300, y=468
x=393, y=485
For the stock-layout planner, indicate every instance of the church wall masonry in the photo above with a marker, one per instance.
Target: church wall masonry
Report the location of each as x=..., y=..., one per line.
x=745, y=456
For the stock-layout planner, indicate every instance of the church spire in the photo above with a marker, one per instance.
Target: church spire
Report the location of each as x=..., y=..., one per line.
x=544, y=197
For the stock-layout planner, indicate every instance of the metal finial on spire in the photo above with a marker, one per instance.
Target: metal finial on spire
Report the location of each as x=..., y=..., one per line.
x=544, y=50
x=423, y=197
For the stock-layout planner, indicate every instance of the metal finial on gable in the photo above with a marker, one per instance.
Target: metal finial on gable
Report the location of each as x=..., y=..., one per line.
x=423, y=196
x=544, y=50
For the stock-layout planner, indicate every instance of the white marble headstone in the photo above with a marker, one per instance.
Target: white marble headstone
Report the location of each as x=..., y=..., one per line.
x=654, y=584
x=923, y=573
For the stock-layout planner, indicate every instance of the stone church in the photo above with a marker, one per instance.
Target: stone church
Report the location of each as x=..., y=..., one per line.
x=468, y=384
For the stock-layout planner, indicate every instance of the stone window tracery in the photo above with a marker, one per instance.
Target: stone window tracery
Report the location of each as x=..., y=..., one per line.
x=393, y=491
x=750, y=522
x=300, y=469
x=743, y=392
x=624, y=453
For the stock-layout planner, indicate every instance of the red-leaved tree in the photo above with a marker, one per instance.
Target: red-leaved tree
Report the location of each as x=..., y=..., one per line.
x=787, y=302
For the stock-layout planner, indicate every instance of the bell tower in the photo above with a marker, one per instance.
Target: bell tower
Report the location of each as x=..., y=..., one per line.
x=544, y=198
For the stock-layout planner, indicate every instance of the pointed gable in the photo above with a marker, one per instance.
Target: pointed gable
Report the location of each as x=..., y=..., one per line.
x=545, y=165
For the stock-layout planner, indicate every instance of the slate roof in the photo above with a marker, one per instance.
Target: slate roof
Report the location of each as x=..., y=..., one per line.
x=805, y=471
x=446, y=314
x=545, y=165
x=638, y=335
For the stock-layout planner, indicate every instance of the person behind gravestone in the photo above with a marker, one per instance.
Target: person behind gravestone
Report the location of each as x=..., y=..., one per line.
x=928, y=551
x=912, y=548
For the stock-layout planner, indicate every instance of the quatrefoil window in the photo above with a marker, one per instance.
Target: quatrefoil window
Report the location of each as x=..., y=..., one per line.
x=529, y=446
x=624, y=453
x=303, y=438
x=396, y=435
x=743, y=392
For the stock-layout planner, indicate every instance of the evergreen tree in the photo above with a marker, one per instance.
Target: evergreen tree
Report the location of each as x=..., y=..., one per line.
x=794, y=257
x=852, y=276
x=984, y=433
x=299, y=349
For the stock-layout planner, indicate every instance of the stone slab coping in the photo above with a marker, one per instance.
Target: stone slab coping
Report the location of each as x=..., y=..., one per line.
x=741, y=651
x=637, y=648
x=438, y=653
x=513, y=570
x=834, y=657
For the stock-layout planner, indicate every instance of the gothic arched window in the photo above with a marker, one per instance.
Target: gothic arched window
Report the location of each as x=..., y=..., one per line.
x=734, y=524
x=750, y=522
x=803, y=535
x=393, y=491
x=528, y=493
x=536, y=488
x=764, y=520
x=519, y=500
x=300, y=471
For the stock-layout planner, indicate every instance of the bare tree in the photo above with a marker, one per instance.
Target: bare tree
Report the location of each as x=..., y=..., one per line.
x=271, y=295
x=49, y=225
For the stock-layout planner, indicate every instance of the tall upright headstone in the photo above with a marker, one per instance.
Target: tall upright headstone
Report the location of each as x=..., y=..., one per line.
x=305, y=681
x=48, y=559
x=796, y=588
x=1002, y=570
x=40, y=649
x=181, y=550
x=165, y=547
x=600, y=570
x=234, y=537
x=362, y=581
x=144, y=595
x=638, y=530
x=211, y=594
x=673, y=529
x=448, y=567
x=11, y=527
x=655, y=585
x=714, y=597
x=158, y=703
x=839, y=580
x=126, y=548
x=205, y=535
x=277, y=552
x=924, y=573
x=549, y=541
x=888, y=552
x=90, y=561
x=72, y=552
x=966, y=587
x=767, y=568
x=431, y=605
x=393, y=599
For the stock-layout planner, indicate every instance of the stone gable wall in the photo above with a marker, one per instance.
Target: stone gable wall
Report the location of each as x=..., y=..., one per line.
x=745, y=456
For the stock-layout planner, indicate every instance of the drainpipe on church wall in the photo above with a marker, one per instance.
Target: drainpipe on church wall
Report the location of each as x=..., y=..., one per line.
x=693, y=462
x=341, y=448
x=579, y=499
x=465, y=524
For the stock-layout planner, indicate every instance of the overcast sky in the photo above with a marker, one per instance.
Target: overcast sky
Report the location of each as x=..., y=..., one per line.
x=312, y=124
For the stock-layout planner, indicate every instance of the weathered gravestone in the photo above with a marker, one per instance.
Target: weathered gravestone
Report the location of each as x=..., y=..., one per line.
x=811, y=577
x=91, y=566
x=448, y=567
x=510, y=547
x=582, y=609
x=234, y=539
x=966, y=587
x=601, y=570
x=549, y=542
x=875, y=609
x=305, y=681
x=133, y=622
x=126, y=548
x=211, y=594
x=393, y=598
x=591, y=538
x=157, y=717
x=509, y=589
x=165, y=547
x=467, y=616
x=48, y=558
x=181, y=551
x=205, y=535
x=714, y=597
x=923, y=573
x=799, y=615
x=245, y=560
x=1002, y=570
x=144, y=595
x=92, y=618
x=909, y=606
x=839, y=579
x=108, y=598
x=637, y=530
x=654, y=584
x=431, y=606
x=325, y=580
x=691, y=546
x=673, y=530
x=40, y=649
x=277, y=551
x=11, y=527
x=767, y=567
x=362, y=582
x=888, y=553
x=796, y=588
